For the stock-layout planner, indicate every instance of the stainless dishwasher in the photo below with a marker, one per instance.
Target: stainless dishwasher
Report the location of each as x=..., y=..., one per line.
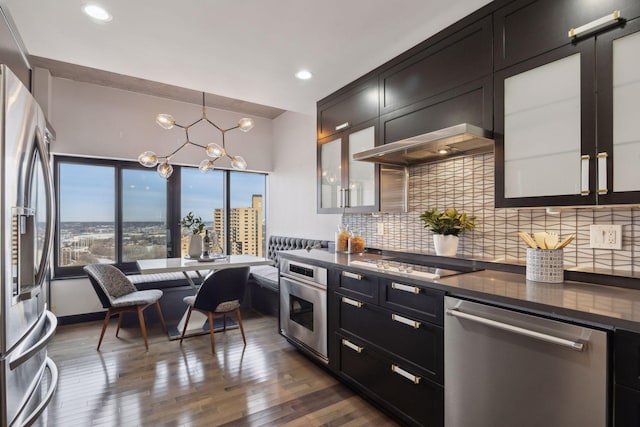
x=505, y=368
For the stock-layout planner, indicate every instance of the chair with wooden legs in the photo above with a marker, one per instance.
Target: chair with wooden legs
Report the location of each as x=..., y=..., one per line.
x=118, y=295
x=221, y=293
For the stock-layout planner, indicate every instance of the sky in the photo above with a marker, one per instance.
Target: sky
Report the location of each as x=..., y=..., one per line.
x=87, y=193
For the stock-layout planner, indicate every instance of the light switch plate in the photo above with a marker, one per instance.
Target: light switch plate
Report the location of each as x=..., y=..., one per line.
x=605, y=236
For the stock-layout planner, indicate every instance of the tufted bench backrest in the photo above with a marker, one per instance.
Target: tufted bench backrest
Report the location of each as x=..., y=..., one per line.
x=279, y=243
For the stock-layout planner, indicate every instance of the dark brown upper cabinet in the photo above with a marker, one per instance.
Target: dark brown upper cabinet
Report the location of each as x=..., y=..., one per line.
x=453, y=61
x=566, y=126
x=527, y=28
x=348, y=107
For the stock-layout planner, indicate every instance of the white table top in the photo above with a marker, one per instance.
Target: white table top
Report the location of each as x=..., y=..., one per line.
x=168, y=265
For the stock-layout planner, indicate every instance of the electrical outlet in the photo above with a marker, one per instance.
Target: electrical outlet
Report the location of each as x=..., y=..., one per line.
x=605, y=236
x=380, y=230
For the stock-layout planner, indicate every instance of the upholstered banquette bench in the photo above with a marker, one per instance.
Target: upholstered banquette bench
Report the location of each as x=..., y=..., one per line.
x=263, y=280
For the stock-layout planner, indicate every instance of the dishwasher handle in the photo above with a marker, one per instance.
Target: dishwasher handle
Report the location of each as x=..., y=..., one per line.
x=573, y=345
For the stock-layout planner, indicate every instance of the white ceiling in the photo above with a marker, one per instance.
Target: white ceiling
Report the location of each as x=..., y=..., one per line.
x=242, y=49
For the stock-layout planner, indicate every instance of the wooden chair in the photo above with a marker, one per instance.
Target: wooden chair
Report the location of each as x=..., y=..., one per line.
x=118, y=295
x=221, y=293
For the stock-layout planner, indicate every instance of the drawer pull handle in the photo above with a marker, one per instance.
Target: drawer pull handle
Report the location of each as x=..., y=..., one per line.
x=352, y=302
x=342, y=126
x=413, y=323
x=352, y=275
x=405, y=288
x=398, y=370
x=352, y=346
x=612, y=18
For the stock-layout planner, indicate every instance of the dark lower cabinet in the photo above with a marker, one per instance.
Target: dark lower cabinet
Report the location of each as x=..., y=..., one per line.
x=417, y=400
x=626, y=407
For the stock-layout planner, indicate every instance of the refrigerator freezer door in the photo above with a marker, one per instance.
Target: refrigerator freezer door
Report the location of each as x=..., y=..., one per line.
x=26, y=211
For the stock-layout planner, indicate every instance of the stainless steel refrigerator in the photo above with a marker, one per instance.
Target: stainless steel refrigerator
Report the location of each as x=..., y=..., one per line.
x=28, y=377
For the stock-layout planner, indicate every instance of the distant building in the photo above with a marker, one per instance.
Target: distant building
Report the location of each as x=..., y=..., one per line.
x=245, y=228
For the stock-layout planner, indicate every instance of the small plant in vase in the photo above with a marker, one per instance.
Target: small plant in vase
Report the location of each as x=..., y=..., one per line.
x=447, y=226
x=195, y=225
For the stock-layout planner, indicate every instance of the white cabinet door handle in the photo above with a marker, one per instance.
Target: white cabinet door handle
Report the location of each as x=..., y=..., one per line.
x=342, y=126
x=602, y=173
x=584, y=180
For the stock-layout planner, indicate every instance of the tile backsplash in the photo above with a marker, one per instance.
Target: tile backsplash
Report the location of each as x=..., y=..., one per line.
x=467, y=184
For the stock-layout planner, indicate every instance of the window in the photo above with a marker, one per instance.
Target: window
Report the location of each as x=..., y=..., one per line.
x=203, y=194
x=118, y=212
x=86, y=215
x=144, y=215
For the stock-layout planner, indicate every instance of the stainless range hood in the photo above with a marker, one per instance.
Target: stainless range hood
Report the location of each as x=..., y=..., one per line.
x=459, y=140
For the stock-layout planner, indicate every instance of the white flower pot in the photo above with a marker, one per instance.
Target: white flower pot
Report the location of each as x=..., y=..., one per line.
x=446, y=245
x=195, y=246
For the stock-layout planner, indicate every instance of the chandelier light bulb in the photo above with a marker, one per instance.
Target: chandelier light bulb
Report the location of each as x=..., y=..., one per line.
x=215, y=151
x=148, y=159
x=206, y=166
x=238, y=163
x=245, y=124
x=166, y=121
x=165, y=170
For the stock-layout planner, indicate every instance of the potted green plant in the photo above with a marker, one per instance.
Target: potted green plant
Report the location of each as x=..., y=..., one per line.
x=447, y=226
x=193, y=224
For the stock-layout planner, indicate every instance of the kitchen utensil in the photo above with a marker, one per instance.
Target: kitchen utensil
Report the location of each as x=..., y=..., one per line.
x=526, y=237
x=565, y=242
x=539, y=237
x=551, y=240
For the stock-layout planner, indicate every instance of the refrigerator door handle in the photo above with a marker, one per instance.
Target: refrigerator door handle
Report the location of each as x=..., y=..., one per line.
x=45, y=402
x=48, y=236
x=25, y=355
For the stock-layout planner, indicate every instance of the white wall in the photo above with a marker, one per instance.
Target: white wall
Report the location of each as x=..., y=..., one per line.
x=291, y=192
x=98, y=121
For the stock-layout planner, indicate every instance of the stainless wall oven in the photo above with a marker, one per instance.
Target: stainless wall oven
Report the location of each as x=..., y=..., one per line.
x=303, y=306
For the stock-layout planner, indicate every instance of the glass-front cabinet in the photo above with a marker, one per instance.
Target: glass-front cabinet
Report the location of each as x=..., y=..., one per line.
x=346, y=185
x=568, y=129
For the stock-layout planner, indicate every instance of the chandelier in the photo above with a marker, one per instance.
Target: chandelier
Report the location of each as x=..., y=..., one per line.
x=214, y=151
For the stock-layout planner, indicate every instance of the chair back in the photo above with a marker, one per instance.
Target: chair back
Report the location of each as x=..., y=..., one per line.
x=108, y=282
x=219, y=286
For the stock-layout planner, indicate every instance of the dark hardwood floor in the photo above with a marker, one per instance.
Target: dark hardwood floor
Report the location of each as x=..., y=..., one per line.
x=268, y=383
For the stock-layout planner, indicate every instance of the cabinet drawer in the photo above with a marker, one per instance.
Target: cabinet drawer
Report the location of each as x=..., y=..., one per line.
x=626, y=407
x=417, y=342
x=627, y=358
x=414, y=397
x=355, y=106
x=358, y=285
x=425, y=304
x=458, y=59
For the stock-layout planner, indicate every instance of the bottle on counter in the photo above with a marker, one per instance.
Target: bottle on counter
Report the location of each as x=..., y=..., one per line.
x=342, y=238
x=206, y=245
x=356, y=243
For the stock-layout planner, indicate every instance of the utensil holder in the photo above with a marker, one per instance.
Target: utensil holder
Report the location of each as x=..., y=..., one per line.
x=545, y=265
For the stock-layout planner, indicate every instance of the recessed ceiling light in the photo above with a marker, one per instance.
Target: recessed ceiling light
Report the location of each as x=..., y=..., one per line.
x=97, y=12
x=304, y=75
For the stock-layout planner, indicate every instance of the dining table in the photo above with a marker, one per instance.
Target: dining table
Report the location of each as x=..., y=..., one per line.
x=202, y=267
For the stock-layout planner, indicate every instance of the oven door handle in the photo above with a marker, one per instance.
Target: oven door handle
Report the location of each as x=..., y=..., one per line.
x=300, y=281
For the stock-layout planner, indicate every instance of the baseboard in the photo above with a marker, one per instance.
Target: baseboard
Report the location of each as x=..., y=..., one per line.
x=80, y=318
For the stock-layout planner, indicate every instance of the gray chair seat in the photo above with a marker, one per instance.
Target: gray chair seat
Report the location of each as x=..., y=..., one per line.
x=139, y=297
